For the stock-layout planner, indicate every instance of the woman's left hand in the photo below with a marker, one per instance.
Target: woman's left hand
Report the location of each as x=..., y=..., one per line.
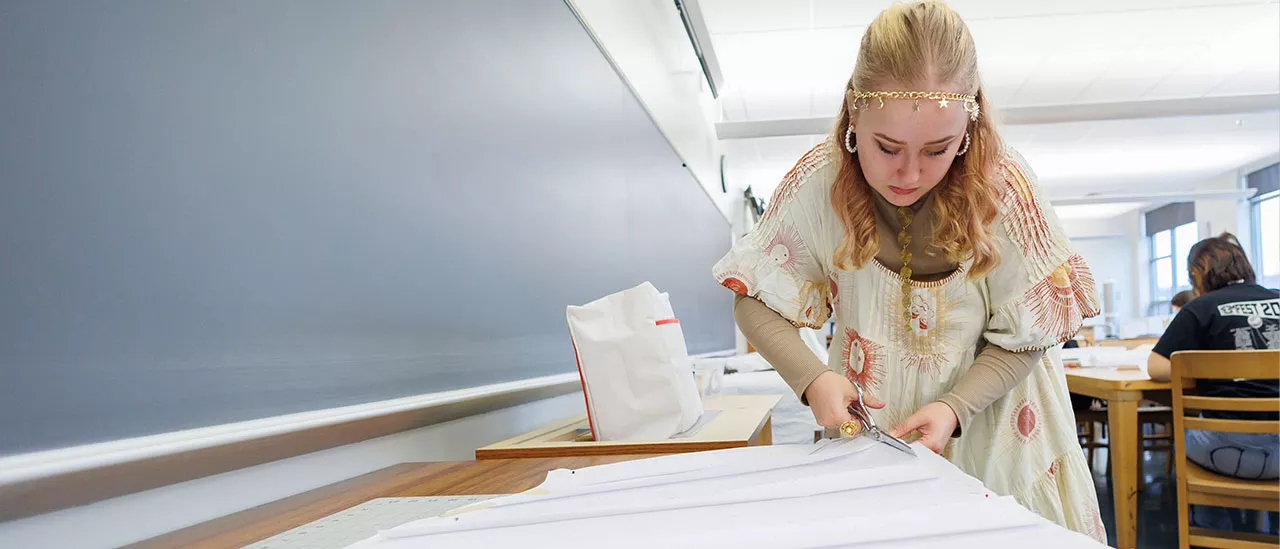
x=935, y=421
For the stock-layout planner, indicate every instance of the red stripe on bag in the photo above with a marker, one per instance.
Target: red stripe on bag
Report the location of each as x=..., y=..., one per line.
x=666, y=321
x=591, y=424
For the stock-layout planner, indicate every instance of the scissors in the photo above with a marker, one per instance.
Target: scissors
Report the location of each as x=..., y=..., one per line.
x=866, y=424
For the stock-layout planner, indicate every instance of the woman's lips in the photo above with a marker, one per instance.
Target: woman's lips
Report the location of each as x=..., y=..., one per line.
x=901, y=191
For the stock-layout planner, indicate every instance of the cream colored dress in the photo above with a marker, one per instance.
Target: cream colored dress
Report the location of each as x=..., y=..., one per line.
x=1025, y=443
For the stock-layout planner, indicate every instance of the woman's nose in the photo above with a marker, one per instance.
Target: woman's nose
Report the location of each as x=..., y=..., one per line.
x=910, y=172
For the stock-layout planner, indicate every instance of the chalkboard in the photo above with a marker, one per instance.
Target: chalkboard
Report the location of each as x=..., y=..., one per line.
x=215, y=211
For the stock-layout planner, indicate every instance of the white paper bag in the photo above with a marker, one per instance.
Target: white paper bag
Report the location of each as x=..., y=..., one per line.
x=634, y=365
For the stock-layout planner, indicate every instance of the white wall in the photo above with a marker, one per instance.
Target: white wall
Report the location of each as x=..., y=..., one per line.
x=136, y=517
x=1135, y=231
x=647, y=42
x=1093, y=228
x=1111, y=246
x=1230, y=214
x=1110, y=259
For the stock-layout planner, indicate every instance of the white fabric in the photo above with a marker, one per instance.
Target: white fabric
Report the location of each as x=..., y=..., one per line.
x=792, y=421
x=844, y=492
x=750, y=362
x=635, y=368
x=816, y=342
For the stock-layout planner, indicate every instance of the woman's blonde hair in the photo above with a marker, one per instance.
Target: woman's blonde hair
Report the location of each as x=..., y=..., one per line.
x=923, y=44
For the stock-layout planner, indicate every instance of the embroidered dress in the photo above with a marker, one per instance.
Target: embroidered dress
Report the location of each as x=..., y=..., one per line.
x=1024, y=444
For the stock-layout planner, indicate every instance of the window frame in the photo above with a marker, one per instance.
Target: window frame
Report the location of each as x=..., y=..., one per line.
x=1259, y=251
x=1160, y=303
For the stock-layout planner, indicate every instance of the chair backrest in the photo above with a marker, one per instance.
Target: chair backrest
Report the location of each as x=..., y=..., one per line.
x=1198, y=365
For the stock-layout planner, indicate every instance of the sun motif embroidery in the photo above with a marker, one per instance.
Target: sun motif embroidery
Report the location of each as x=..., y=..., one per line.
x=923, y=313
x=1096, y=529
x=812, y=161
x=867, y=355
x=926, y=340
x=736, y=281
x=810, y=304
x=1026, y=421
x=834, y=287
x=787, y=250
x=1061, y=302
x=1023, y=217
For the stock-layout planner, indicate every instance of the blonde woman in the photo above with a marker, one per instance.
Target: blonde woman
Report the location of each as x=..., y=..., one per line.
x=950, y=279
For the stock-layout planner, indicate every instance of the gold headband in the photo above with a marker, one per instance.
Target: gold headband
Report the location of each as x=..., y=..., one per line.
x=970, y=102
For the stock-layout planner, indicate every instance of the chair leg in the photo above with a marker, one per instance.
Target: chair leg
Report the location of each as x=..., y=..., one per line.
x=1142, y=455
x=1184, y=517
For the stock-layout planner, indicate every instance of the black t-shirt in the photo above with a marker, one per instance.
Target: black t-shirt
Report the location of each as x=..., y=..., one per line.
x=1238, y=317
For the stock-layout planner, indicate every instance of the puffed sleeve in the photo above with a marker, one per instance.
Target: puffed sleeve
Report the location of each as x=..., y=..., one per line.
x=1042, y=290
x=783, y=261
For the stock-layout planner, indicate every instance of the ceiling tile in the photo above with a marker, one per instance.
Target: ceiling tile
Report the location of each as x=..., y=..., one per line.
x=1096, y=211
x=791, y=58
x=777, y=105
x=844, y=13
x=1062, y=76
x=732, y=16
x=1249, y=82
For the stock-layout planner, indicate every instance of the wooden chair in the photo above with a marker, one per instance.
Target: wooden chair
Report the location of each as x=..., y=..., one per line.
x=1197, y=486
x=1156, y=422
x=1157, y=431
x=1091, y=425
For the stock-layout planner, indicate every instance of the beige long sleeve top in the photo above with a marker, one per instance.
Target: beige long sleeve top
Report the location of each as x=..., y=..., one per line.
x=993, y=374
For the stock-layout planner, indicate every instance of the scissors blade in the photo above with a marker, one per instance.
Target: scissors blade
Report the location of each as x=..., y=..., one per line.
x=893, y=442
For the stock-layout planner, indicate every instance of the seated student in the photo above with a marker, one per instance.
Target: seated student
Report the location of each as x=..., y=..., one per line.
x=1180, y=299
x=1230, y=312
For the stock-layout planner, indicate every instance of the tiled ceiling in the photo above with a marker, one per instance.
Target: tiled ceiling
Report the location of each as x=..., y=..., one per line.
x=790, y=59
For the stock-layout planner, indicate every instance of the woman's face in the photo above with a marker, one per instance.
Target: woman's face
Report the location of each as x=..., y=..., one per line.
x=904, y=152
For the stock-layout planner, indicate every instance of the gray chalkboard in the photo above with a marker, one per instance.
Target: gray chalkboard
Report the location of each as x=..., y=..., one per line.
x=214, y=211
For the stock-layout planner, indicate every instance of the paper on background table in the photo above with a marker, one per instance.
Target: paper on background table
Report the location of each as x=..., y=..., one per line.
x=1108, y=357
x=851, y=491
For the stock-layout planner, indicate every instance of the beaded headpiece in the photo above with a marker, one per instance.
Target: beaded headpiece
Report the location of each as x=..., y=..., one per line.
x=861, y=99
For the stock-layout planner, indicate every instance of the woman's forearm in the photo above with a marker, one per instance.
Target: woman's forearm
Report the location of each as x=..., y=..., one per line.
x=779, y=343
x=993, y=374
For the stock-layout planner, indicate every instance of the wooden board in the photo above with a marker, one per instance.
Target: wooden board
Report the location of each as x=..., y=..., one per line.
x=404, y=480
x=1130, y=343
x=1105, y=383
x=742, y=420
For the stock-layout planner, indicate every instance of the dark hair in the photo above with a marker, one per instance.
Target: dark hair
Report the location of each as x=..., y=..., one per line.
x=1180, y=299
x=1218, y=261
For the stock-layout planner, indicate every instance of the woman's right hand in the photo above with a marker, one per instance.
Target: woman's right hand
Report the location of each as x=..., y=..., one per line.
x=829, y=398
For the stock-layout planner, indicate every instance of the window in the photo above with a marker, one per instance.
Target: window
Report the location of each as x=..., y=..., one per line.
x=1169, y=250
x=1266, y=224
x=1171, y=231
x=1266, y=239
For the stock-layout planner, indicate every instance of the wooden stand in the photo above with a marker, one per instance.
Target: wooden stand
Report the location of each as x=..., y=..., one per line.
x=743, y=420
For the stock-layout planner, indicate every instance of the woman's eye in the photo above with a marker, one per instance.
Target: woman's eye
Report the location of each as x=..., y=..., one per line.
x=887, y=151
x=939, y=152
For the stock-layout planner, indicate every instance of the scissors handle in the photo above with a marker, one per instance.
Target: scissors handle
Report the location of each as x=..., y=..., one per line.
x=864, y=423
x=862, y=410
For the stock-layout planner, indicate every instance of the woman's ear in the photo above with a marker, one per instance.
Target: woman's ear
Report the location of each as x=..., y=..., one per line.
x=850, y=104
